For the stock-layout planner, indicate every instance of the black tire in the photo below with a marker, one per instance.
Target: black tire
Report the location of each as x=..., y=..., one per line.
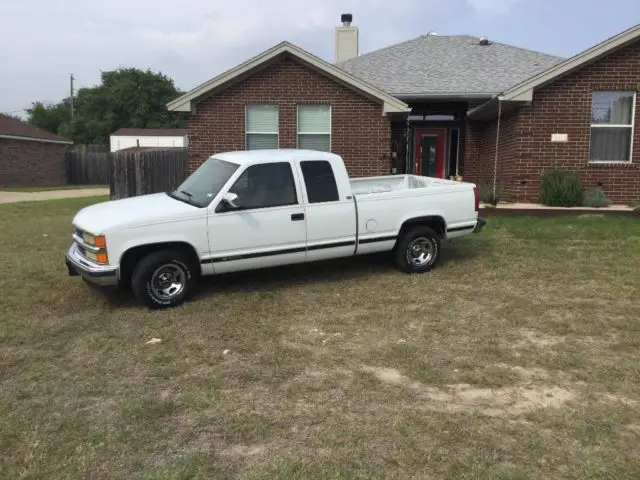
x=405, y=250
x=159, y=273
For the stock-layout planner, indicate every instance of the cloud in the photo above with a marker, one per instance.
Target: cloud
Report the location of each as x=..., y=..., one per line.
x=190, y=40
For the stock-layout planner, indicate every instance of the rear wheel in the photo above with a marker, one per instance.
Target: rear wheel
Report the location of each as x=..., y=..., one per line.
x=418, y=250
x=163, y=279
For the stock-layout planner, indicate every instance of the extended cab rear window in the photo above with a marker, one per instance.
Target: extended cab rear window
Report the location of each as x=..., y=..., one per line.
x=320, y=181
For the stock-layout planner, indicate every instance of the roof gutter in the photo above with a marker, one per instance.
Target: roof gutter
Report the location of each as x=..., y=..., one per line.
x=33, y=139
x=442, y=96
x=480, y=108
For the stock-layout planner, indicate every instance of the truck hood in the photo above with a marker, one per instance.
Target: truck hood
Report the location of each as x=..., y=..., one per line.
x=134, y=212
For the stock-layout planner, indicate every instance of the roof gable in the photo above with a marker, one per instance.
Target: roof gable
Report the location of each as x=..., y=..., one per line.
x=447, y=66
x=15, y=129
x=187, y=102
x=522, y=92
x=525, y=88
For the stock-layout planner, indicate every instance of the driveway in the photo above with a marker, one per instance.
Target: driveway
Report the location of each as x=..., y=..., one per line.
x=13, y=197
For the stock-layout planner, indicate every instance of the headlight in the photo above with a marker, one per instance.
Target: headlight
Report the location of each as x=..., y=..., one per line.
x=94, y=240
x=100, y=257
x=94, y=247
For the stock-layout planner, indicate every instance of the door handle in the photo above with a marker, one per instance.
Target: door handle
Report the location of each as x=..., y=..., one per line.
x=296, y=217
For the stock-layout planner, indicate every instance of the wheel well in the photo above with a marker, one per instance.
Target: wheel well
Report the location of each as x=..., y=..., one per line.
x=436, y=223
x=131, y=257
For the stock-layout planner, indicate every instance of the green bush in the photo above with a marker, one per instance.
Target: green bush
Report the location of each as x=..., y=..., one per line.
x=485, y=191
x=595, y=197
x=560, y=188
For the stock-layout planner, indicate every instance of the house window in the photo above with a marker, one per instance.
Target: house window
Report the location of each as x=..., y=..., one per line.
x=314, y=127
x=261, y=126
x=612, y=118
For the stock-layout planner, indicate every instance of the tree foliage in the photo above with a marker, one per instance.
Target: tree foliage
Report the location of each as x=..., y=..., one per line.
x=125, y=98
x=52, y=118
x=11, y=115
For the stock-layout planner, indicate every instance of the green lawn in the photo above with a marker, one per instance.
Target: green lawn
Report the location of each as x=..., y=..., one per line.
x=517, y=358
x=48, y=188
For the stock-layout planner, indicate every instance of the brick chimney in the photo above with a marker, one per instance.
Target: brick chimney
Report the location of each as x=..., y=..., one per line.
x=346, y=39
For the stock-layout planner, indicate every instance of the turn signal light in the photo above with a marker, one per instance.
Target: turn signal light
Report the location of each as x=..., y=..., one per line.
x=100, y=241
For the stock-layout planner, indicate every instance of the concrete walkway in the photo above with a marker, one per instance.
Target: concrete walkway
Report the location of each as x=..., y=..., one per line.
x=14, y=197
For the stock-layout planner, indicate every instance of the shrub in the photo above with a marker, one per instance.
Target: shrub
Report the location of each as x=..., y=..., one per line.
x=595, y=197
x=560, y=188
x=485, y=191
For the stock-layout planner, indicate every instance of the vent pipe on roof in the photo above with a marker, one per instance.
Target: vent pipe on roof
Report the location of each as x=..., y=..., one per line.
x=484, y=41
x=346, y=39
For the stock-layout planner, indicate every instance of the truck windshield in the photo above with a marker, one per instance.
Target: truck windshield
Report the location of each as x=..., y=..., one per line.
x=205, y=183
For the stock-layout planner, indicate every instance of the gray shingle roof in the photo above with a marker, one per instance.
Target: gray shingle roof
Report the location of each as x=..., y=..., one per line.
x=455, y=65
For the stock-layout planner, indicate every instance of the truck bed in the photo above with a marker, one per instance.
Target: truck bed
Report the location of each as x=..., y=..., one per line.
x=395, y=183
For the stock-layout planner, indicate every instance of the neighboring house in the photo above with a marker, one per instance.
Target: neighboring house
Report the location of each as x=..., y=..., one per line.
x=431, y=106
x=148, y=137
x=30, y=155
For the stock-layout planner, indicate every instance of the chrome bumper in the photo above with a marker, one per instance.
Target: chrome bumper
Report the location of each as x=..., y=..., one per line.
x=101, y=275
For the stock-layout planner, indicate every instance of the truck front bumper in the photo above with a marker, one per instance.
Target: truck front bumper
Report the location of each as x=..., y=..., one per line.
x=479, y=225
x=101, y=275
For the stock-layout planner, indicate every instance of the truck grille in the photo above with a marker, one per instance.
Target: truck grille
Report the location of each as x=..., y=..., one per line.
x=79, y=233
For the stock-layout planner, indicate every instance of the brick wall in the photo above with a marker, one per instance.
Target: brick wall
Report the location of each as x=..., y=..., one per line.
x=561, y=107
x=481, y=148
x=565, y=107
x=360, y=134
x=23, y=162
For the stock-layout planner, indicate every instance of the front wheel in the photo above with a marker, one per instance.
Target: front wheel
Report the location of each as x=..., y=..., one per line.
x=163, y=279
x=418, y=250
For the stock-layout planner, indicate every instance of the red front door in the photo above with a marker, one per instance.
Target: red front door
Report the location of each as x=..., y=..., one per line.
x=429, y=151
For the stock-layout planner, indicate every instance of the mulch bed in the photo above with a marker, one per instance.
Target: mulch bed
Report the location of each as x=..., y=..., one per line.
x=544, y=212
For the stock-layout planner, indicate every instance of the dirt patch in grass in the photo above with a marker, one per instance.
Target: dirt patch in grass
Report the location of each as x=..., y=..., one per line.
x=488, y=401
x=516, y=358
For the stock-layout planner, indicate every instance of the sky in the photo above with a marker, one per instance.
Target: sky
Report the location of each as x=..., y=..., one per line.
x=191, y=41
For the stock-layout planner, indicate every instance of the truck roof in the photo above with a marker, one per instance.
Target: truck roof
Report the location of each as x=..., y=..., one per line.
x=266, y=156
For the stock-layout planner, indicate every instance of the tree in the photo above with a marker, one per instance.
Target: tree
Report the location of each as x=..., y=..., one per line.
x=127, y=97
x=10, y=115
x=52, y=118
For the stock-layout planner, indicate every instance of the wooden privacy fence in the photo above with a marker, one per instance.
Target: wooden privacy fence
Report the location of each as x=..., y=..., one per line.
x=146, y=170
x=89, y=165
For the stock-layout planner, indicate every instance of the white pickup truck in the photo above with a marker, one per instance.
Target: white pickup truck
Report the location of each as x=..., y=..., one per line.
x=254, y=209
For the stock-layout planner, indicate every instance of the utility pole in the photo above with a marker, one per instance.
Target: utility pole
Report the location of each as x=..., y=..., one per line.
x=71, y=84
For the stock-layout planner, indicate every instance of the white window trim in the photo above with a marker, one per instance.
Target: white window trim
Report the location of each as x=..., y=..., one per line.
x=298, y=133
x=246, y=122
x=632, y=127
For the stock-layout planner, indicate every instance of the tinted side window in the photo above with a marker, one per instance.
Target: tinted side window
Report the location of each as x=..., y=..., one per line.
x=319, y=180
x=266, y=185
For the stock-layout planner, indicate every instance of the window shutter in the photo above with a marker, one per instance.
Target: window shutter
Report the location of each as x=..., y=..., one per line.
x=314, y=119
x=261, y=141
x=321, y=143
x=262, y=119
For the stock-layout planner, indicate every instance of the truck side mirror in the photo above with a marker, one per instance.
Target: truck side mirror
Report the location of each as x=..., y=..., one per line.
x=230, y=199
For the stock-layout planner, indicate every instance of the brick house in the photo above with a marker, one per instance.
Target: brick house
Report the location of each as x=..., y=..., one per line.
x=438, y=106
x=30, y=155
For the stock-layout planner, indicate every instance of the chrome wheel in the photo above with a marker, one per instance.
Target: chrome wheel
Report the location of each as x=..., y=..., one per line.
x=168, y=281
x=420, y=251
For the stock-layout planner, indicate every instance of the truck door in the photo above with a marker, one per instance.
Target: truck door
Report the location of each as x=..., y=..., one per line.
x=267, y=229
x=331, y=214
